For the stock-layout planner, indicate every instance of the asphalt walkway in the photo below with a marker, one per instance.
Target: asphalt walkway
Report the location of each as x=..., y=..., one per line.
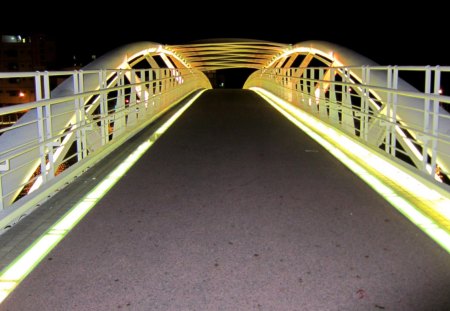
x=234, y=208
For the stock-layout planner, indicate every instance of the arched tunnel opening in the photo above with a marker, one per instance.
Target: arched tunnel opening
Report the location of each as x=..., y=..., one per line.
x=233, y=78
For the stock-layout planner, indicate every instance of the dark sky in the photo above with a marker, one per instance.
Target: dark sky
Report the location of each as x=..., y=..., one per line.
x=413, y=36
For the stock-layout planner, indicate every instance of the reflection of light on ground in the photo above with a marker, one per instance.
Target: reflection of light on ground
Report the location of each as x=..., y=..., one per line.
x=394, y=184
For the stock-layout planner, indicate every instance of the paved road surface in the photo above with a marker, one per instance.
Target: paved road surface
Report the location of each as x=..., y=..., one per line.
x=235, y=209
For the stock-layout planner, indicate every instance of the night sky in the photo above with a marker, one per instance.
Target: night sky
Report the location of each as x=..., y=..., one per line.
x=411, y=36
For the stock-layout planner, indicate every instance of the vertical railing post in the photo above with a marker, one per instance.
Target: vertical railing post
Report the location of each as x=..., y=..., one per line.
x=50, y=172
x=178, y=83
x=78, y=116
x=162, y=83
x=288, y=91
x=295, y=86
x=169, y=79
x=387, y=138
x=426, y=120
x=165, y=82
x=365, y=103
x=368, y=81
x=301, y=96
x=280, y=82
x=83, y=122
x=347, y=121
x=156, y=93
x=132, y=105
x=41, y=127
x=312, y=90
x=289, y=80
x=104, y=119
x=435, y=124
x=143, y=100
x=334, y=115
x=321, y=101
x=151, y=90
x=119, y=111
x=172, y=94
x=393, y=133
x=162, y=75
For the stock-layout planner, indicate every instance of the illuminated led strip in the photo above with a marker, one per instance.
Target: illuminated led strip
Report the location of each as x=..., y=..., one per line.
x=15, y=272
x=439, y=203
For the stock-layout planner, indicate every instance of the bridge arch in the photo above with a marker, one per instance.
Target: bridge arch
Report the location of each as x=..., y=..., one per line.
x=107, y=100
x=372, y=83
x=121, y=92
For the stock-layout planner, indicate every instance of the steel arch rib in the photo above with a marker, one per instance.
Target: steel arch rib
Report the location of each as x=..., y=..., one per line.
x=29, y=159
x=342, y=57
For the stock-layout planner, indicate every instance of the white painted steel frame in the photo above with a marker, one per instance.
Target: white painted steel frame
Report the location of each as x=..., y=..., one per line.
x=93, y=112
x=370, y=102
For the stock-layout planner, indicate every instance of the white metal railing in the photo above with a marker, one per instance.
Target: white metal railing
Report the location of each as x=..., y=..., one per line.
x=376, y=106
x=88, y=115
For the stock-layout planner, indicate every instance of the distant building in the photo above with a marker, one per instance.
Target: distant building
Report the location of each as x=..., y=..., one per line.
x=23, y=53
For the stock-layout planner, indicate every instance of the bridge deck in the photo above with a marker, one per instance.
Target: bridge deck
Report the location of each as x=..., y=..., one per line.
x=235, y=209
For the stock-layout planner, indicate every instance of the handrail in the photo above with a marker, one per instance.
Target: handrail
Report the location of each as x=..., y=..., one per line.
x=390, y=115
x=63, y=132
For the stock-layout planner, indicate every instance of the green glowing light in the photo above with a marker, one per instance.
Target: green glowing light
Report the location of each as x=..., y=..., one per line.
x=15, y=272
x=330, y=139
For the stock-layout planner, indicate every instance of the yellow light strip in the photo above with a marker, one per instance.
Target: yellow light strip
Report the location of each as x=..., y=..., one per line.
x=330, y=139
x=16, y=271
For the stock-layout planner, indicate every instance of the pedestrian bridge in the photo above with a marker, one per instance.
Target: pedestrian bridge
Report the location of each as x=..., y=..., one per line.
x=322, y=185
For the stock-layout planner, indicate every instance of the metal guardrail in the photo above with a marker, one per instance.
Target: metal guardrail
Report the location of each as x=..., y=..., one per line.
x=66, y=130
x=64, y=134
x=374, y=105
